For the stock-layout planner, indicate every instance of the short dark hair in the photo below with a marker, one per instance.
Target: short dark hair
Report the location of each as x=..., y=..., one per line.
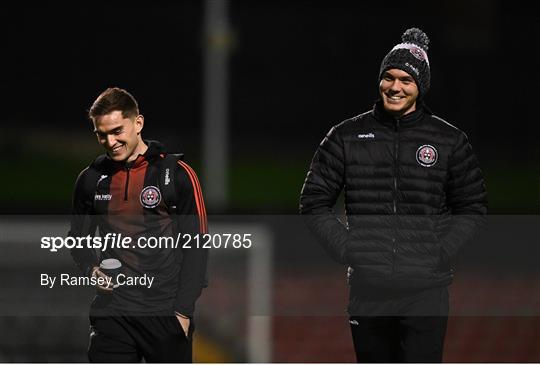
x=112, y=99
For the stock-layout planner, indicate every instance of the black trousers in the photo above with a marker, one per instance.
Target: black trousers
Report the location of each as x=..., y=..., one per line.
x=405, y=329
x=119, y=338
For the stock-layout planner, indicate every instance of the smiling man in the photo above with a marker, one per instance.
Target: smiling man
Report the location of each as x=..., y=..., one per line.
x=414, y=195
x=120, y=135
x=399, y=92
x=137, y=189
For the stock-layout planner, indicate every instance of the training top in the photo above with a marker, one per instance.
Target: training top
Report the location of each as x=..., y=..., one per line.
x=126, y=199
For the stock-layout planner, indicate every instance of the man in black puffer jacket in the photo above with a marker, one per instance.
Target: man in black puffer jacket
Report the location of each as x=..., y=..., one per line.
x=414, y=195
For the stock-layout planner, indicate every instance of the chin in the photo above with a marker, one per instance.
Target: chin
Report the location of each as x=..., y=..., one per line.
x=392, y=108
x=117, y=158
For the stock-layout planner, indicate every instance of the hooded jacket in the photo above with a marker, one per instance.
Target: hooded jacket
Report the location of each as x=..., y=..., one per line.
x=414, y=194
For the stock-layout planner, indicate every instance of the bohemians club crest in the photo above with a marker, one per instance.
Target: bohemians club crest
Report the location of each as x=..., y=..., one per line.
x=427, y=155
x=150, y=197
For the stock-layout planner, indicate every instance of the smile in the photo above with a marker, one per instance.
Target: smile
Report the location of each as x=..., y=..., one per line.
x=117, y=149
x=394, y=99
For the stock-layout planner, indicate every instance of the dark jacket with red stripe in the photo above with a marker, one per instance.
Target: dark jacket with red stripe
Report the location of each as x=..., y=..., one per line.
x=414, y=194
x=126, y=199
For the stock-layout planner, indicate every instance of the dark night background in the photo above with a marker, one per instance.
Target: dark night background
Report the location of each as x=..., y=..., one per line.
x=295, y=69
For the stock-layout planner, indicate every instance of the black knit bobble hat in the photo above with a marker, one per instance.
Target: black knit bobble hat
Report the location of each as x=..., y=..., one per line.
x=411, y=57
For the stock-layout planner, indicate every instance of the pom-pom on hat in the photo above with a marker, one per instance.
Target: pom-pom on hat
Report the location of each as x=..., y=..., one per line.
x=411, y=57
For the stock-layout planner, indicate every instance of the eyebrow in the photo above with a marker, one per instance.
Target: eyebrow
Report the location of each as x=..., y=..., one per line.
x=111, y=131
x=402, y=78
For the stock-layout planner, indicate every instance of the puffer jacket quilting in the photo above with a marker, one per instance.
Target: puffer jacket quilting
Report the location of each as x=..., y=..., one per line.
x=414, y=194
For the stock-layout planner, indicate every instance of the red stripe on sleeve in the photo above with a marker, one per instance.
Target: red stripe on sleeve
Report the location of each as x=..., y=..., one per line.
x=199, y=201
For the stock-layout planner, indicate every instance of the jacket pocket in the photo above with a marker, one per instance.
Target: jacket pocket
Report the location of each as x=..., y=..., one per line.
x=444, y=264
x=181, y=331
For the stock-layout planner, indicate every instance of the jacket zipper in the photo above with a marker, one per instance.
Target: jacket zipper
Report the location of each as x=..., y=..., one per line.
x=396, y=146
x=396, y=170
x=127, y=184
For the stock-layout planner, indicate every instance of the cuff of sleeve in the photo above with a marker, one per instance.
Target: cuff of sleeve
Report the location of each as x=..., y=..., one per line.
x=183, y=315
x=184, y=309
x=87, y=269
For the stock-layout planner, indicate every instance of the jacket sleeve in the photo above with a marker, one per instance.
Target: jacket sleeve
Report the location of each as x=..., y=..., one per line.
x=83, y=221
x=322, y=186
x=191, y=220
x=466, y=197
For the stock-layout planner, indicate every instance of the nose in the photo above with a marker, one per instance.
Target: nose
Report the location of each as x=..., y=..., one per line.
x=395, y=86
x=110, y=140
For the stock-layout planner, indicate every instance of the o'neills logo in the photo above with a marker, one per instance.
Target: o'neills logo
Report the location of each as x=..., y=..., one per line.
x=367, y=135
x=150, y=197
x=103, y=197
x=412, y=68
x=426, y=155
x=167, y=177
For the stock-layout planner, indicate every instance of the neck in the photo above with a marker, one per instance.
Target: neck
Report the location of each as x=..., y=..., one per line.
x=140, y=150
x=400, y=114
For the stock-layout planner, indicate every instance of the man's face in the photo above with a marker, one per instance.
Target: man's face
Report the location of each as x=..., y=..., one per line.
x=399, y=92
x=119, y=135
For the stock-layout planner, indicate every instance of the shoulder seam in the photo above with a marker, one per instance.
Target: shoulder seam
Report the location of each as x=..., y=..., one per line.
x=445, y=122
x=456, y=129
x=353, y=119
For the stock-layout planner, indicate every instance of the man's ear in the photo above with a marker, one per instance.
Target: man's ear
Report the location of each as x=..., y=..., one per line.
x=139, y=123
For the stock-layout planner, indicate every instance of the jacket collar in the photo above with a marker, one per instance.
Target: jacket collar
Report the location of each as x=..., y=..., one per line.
x=155, y=149
x=408, y=120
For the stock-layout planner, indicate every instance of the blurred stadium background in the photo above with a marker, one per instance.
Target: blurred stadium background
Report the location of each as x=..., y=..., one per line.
x=278, y=75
